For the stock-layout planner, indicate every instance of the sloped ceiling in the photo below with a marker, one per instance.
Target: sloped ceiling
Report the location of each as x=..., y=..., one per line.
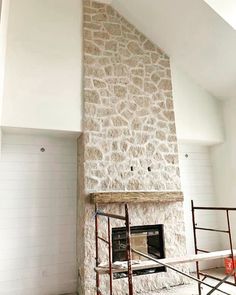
x=198, y=40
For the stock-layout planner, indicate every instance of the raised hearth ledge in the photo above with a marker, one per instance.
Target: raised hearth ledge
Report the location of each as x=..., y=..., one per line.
x=136, y=197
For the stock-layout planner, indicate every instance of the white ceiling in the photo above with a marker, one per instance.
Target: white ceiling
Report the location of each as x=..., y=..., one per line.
x=226, y=9
x=199, y=41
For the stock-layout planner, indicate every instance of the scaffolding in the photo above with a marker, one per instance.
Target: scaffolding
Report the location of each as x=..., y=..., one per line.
x=126, y=220
x=166, y=262
x=228, y=231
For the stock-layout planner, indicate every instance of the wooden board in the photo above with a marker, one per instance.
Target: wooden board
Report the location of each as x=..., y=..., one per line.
x=171, y=261
x=136, y=197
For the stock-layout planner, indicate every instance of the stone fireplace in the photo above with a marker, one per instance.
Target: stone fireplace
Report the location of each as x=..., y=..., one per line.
x=128, y=145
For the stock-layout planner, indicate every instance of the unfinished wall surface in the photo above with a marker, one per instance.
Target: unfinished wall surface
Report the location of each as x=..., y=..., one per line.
x=128, y=122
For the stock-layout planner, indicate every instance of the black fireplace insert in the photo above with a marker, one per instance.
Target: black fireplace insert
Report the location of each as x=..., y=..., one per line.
x=148, y=239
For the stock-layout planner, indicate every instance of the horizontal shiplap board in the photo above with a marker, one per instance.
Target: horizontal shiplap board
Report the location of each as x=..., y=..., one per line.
x=38, y=215
x=40, y=157
x=18, y=148
x=37, y=167
x=10, y=192
x=36, y=175
x=36, y=261
x=36, y=291
x=193, y=148
x=38, y=282
x=67, y=230
x=33, y=212
x=30, y=203
x=47, y=185
x=189, y=156
x=35, y=273
x=14, y=223
x=197, y=185
x=19, y=244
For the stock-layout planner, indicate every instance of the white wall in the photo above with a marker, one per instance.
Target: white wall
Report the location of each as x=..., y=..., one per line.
x=3, y=37
x=199, y=121
x=224, y=163
x=37, y=215
x=197, y=113
x=197, y=185
x=224, y=156
x=43, y=65
x=4, y=10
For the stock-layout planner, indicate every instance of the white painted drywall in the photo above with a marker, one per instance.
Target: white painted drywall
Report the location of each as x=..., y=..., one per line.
x=4, y=10
x=38, y=215
x=3, y=37
x=197, y=113
x=197, y=185
x=224, y=164
x=43, y=65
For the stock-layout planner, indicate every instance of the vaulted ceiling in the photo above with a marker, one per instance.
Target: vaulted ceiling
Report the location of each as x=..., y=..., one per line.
x=198, y=40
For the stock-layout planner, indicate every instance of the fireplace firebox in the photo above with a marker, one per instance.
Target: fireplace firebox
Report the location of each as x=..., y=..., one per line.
x=148, y=239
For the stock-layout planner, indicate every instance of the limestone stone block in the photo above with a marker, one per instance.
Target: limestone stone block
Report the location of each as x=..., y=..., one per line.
x=150, y=87
x=99, y=17
x=91, y=125
x=114, y=133
x=93, y=153
x=91, y=48
x=134, y=184
x=161, y=135
x=91, y=96
x=148, y=45
x=90, y=182
x=113, y=29
x=99, y=83
x=155, y=78
x=136, y=151
x=120, y=91
x=134, y=48
x=98, y=5
x=137, y=81
x=111, y=45
x=117, y=157
x=101, y=35
x=119, y=121
x=165, y=84
x=138, y=72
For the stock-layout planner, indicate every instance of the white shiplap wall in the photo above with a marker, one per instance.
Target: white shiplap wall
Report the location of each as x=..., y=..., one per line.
x=197, y=185
x=37, y=215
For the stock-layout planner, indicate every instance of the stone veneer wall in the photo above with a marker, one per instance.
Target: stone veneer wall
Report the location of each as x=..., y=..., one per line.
x=128, y=121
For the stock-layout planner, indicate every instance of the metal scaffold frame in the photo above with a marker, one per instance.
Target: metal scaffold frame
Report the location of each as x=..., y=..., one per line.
x=108, y=242
x=228, y=231
x=167, y=262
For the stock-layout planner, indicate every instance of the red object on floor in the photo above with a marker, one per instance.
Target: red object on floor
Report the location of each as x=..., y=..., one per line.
x=229, y=265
